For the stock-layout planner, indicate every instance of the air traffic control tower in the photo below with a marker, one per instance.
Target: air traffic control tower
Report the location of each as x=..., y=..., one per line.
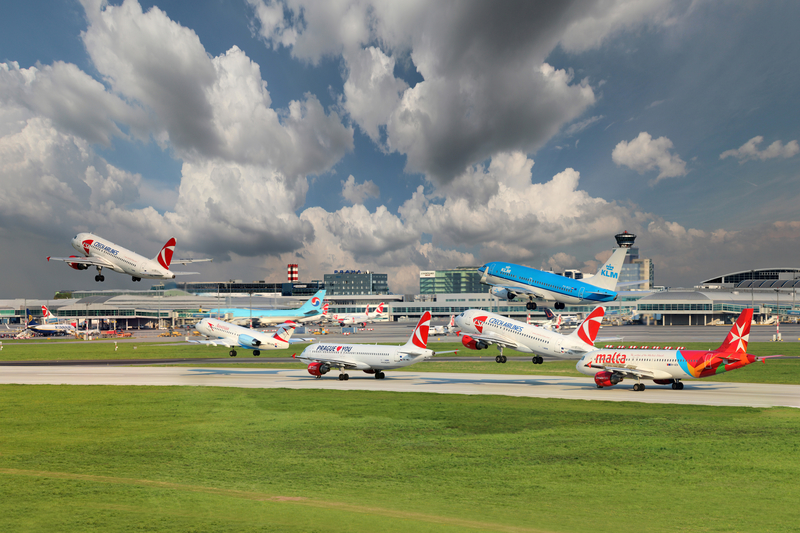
x=634, y=269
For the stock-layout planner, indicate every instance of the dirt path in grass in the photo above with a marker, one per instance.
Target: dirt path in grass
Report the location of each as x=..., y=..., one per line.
x=258, y=496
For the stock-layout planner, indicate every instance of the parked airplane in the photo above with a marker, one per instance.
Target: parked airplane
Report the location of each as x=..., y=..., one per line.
x=311, y=311
x=359, y=318
x=101, y=254
x=480, y=329
x=232, y=336
x=446, y=329
x=371, y=358
x=669, y=367
x=510, y=280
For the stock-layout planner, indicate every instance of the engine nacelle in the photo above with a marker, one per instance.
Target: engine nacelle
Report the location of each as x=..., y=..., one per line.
x=606, y=379
x=246, y=341
x=317, y=369
x=473, y=344
x=78, y=266
x=502, y=293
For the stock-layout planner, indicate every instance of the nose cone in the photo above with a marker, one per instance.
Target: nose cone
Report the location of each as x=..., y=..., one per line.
x=460, y=321
x=482, y=269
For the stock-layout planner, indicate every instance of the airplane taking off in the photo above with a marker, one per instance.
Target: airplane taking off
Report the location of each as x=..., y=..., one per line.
x=480, y=329
x=669, y=367
x=232, y=336
x=371, y=358
x=100, y=253
x=359, y=318
x=510, y=280
x=311, y=311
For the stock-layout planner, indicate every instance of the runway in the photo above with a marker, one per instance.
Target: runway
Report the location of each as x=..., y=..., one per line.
x=695, y=393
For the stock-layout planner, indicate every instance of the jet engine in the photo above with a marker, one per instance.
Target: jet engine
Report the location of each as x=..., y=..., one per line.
x=317, y=369
x=78, y=266
x=502, y=293
x=247, y=341
x=607, y=379
x=472, y=344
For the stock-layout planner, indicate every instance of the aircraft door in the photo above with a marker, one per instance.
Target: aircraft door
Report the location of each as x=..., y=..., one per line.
x=580, y=293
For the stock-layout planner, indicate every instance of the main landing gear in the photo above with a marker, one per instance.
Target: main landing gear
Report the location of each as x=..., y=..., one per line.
x=379, y=375
x=134, y=278
x=256, y=352
x=344, y=377
x=530, y=306
x=537, y=360
x=677, y=385
x=638, y=386
x=559, y=305
x=99, y=276
x=232, y=353
x=500, y=358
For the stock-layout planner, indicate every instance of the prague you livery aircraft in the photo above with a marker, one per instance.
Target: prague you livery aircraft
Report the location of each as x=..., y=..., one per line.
x=479, y=329
x=225, y=334
x=100, y=253
x=510, y=280
x=371, y=358
x=669, y=367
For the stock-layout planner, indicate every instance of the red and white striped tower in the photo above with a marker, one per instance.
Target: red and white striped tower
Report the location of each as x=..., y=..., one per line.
x=293, y=273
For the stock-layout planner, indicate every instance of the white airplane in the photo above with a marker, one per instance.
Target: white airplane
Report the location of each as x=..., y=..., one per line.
x=100, y=253
x=446, y=329
x=359, y=318
x=371, y=358
x=50, y=324
x=232, y=336
x=480, y=329
x=669, y=367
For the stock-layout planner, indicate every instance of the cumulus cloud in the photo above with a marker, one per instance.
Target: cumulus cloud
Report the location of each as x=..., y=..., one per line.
x=486, y=87
x=356, y=193
x=749, y=150
x=644, y=154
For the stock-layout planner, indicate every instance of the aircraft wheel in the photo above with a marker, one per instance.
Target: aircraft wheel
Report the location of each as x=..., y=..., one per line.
x=102, y=278
x=379, y=375
x=232, y=353
x=680, y=385
x=97, y=277
x=674, y=386
x=346, y=376
x=636, y=387
x=256, y=352
x=505, y=358
x=535, y=360
x=341, y=377
x=498, y=359
x=528, y=305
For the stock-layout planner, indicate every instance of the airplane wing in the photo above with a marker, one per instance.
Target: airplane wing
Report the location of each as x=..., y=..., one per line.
x=524, y=290
x=628, y=372
x=494, y=338
x=187, y=261
x=215, y=342
x=184, y=273
x=301, y=340
x=338, y=361
x=94, y=261
x=608, y=339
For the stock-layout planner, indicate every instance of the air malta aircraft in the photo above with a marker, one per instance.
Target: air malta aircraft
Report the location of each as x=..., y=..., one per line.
x=669, y=367
x=311, y=311
x=480, y=329
x=359, y=318
x=510, y=280
x=224, y=334
x=371, y=358
x=100, y=253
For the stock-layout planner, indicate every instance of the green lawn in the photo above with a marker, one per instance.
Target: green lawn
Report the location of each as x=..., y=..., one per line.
x=222, y=459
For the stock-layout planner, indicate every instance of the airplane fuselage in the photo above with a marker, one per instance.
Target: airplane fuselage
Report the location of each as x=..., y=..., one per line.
x=119, y=259
x=236, y=335
x=529, y=338
x=365, y=356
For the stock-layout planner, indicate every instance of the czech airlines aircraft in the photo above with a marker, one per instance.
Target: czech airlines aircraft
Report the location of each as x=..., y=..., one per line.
x=101, y=254
x=510, y=280
x=669, y=367
x=359, y=318
x=371, y=358
x=225, y=334
x=480, y=329
x=311, y=311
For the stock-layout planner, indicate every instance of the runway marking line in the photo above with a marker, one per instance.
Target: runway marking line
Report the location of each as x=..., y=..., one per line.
x=258, y=496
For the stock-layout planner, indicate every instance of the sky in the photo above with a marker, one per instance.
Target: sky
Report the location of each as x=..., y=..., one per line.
x=398, y=136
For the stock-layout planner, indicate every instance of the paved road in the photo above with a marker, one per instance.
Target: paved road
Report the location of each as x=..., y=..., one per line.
x=696, y=392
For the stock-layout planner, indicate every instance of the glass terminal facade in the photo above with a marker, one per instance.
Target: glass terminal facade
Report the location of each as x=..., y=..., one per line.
x=459, y=280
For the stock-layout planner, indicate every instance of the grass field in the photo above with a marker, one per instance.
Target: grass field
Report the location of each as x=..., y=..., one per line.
x=215, y=459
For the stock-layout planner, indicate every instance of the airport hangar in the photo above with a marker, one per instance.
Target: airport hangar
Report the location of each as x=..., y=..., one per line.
x=720, y=298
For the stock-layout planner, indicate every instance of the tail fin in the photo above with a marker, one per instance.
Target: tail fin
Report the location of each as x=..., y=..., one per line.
x=608, y=275
x=379, y=310
x=737, y=338
x=164, y=257
x=587, y=331
x=314, y=303
x=452, y=323
x=325, y=309
x=557, y=325
x=419, y=337
x=548, y=313
x=46, y=314
x=285, y=331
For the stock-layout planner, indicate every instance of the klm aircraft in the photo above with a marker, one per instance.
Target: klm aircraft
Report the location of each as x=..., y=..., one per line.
x=510, y=280
x=311, y=311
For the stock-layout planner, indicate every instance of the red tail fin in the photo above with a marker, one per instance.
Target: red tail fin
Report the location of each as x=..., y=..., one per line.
x=737, y=338
x=165, y=255
x=588, y=329
x=420, y=336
